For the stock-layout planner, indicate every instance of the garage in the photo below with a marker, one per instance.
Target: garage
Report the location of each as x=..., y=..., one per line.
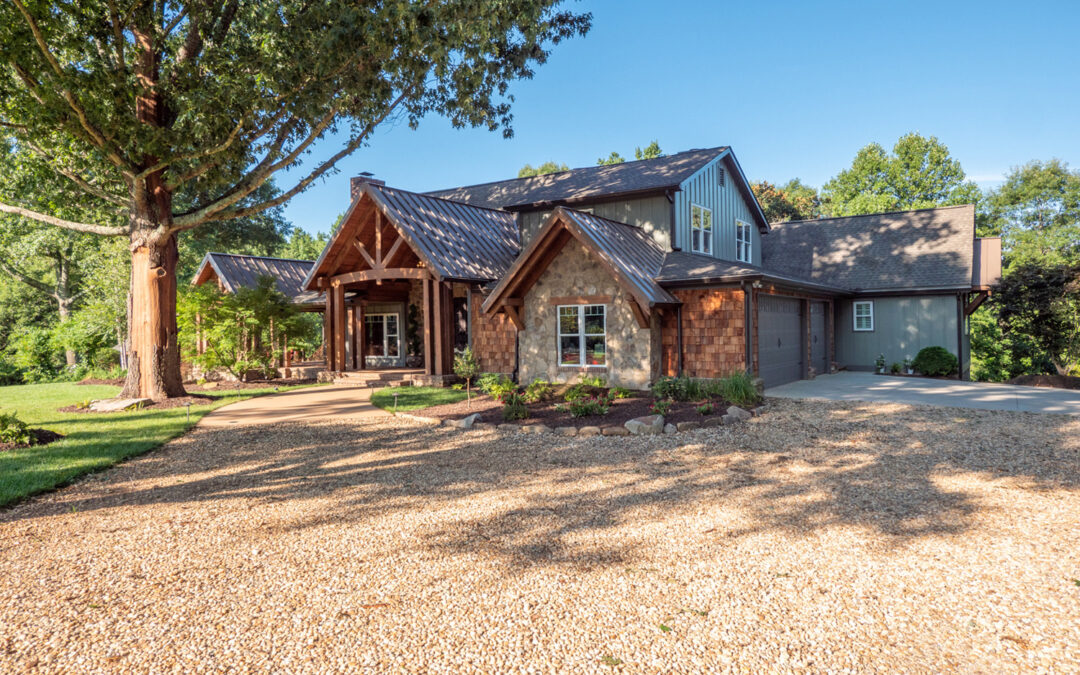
x=819, y=355
x=780, y=348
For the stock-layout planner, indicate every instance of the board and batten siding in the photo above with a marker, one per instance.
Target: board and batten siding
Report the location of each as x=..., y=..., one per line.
x=902, y=326
x=652, y=214
x=726, y=203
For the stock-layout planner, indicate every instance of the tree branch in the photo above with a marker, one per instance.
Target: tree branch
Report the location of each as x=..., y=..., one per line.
x=28, y=280
x=75, y=178
x=89, y=228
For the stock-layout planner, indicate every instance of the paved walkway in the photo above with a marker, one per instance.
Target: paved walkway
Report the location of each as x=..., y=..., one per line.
x=852, y=386
x=311, y=403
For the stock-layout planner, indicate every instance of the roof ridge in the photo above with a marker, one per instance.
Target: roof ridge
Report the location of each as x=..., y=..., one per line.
x=442, y=199
x=718, y=149
x=262, y=257
x=868, y=215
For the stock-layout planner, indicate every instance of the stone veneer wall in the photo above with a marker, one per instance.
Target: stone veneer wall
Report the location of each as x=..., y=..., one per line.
x=714, y=341
x=633, y=353
x=494, y=340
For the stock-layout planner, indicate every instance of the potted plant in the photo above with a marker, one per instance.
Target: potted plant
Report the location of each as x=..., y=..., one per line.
x=908, y=368
x=880, y=364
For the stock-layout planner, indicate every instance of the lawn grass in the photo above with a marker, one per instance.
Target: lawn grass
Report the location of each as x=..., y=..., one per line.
x=414, y=398
x=92, y=441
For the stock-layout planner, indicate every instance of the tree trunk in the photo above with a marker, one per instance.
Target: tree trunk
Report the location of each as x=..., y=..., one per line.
x=65, y=314
x=153, y=341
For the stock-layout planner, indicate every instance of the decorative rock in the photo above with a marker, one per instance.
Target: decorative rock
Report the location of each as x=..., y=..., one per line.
x=759, y=385
x=506, y=426
x=758, y=410
x=465, y=422
x=535, y=429
x=649, y=425
x=738, y=413
x=688, y=426
x=118, y=404
x=712, y=422
x=728, y=419
x=589, y=431
x=566, y=431
x=615, y=431
x=670, y=428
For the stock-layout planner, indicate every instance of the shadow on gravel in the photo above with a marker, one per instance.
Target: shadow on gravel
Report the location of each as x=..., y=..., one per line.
x=548, y=500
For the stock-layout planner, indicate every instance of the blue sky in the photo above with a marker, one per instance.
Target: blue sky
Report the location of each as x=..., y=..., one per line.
x=796, y=88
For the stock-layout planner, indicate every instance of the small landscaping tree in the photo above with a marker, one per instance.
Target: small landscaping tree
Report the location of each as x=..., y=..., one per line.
x=466, y=367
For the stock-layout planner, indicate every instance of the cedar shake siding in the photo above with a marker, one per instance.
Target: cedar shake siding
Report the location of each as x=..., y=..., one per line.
x=714, y=344
x=494, y=340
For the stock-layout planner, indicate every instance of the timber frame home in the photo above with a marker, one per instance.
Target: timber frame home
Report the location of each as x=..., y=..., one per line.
x=633, y=271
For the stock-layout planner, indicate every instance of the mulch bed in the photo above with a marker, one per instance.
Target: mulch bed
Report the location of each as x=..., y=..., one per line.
x=178, y=402
x=1052, y=381
x=41, y=437
x=250, y=384
x=622, y=411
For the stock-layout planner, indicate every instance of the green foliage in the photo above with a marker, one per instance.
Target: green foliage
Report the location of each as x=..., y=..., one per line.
x=620, y=392
x=678, y=389
x=587, y=406
x=13, y=430
x=661, y=406
x=651, y=151
x=935, y=361
x=879, y=363
x=705, y=409
x=895, y=368
x=236, y=327
x=514, y=407
x=582, y=390
x=592, y=381
x=33, y=353
x=991, y=351
x=529, y=170
x=302, y=246
x=791, y=201
x=466, y=367
x=919, y=173
x=496, y=386
x=412, y=332
x=613, y=158
x=1042, y=303
x=538, y=391
x=737, y=388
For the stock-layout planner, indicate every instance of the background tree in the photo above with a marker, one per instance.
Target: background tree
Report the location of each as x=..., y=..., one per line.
x=302, y=246
x=1042, y=302
x=793, y=200
x=613, y=158
x=920, y=173
x=529, y=170
x=651, y=151
x=135, y=104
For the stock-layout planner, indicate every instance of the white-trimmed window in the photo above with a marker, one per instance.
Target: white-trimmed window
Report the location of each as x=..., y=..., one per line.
x=701, y=233
x=583, y=336
x=743, y=239
x=863, y=314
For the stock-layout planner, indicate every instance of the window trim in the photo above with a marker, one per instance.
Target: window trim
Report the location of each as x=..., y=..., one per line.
x=749, y=242
x=580, y=335
x=855, y=316
x=712, y=230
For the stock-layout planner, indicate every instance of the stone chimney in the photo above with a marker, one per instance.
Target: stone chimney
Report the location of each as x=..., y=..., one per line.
x=356, y=182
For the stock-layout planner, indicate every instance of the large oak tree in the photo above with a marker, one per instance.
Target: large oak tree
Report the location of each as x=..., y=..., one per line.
x=136, y=101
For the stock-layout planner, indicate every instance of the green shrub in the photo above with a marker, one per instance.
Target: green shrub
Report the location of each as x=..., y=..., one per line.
x=619, y=392
x=583, y=390
x=705, y=409
x=935, y=361
x=593, y=381
x=514, y=407
x=486, y=381
x=739, y=389
x=661, y=407
x=894, y=368
x=679, y=389
x=14, y=430
x=588, y=406
x=538, y=391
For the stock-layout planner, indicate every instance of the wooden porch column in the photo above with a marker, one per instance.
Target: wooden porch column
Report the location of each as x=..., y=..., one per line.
x=429, y=362
x=350, y=337
x=439, y=328
x=361, y=330
x=328, y=331
x=339, y=327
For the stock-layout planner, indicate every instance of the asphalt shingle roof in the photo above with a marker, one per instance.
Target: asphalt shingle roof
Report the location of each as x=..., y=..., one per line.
x=593, y=181
x=921, y=249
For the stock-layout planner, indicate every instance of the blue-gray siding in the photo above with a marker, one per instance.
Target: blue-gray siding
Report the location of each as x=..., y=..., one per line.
x=652, y=214
x=902, y=326
x=726, y=204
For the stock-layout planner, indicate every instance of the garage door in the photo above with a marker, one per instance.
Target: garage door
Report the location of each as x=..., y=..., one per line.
x=818, y=339
x=779, y=339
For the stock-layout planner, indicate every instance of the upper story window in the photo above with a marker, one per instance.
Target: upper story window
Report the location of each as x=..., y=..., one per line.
x=864, y=315
x=743, y=239
x=701, y=233
x=583, y=335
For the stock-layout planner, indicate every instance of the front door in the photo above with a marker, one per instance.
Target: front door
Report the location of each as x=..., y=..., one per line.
x=383, y=339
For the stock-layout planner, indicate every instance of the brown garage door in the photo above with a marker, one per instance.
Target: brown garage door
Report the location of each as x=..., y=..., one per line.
x=780, y=353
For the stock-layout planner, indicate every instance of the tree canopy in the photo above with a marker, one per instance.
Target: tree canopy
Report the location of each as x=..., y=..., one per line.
x=919, y=173
x=794, y=200
x=529, y=170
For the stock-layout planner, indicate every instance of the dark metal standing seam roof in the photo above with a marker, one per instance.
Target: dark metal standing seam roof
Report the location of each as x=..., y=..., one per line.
x=243, y=271
x=920, y=249
x=459, y=241
x=592, y=181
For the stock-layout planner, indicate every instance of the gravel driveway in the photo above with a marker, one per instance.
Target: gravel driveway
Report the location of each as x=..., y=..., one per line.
x=823, y=536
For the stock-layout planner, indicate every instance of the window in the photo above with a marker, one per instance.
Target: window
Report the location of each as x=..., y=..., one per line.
x=743, y=238
x=864, y=315
x=382, y=334
x=700, y=229
x=582, y=338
